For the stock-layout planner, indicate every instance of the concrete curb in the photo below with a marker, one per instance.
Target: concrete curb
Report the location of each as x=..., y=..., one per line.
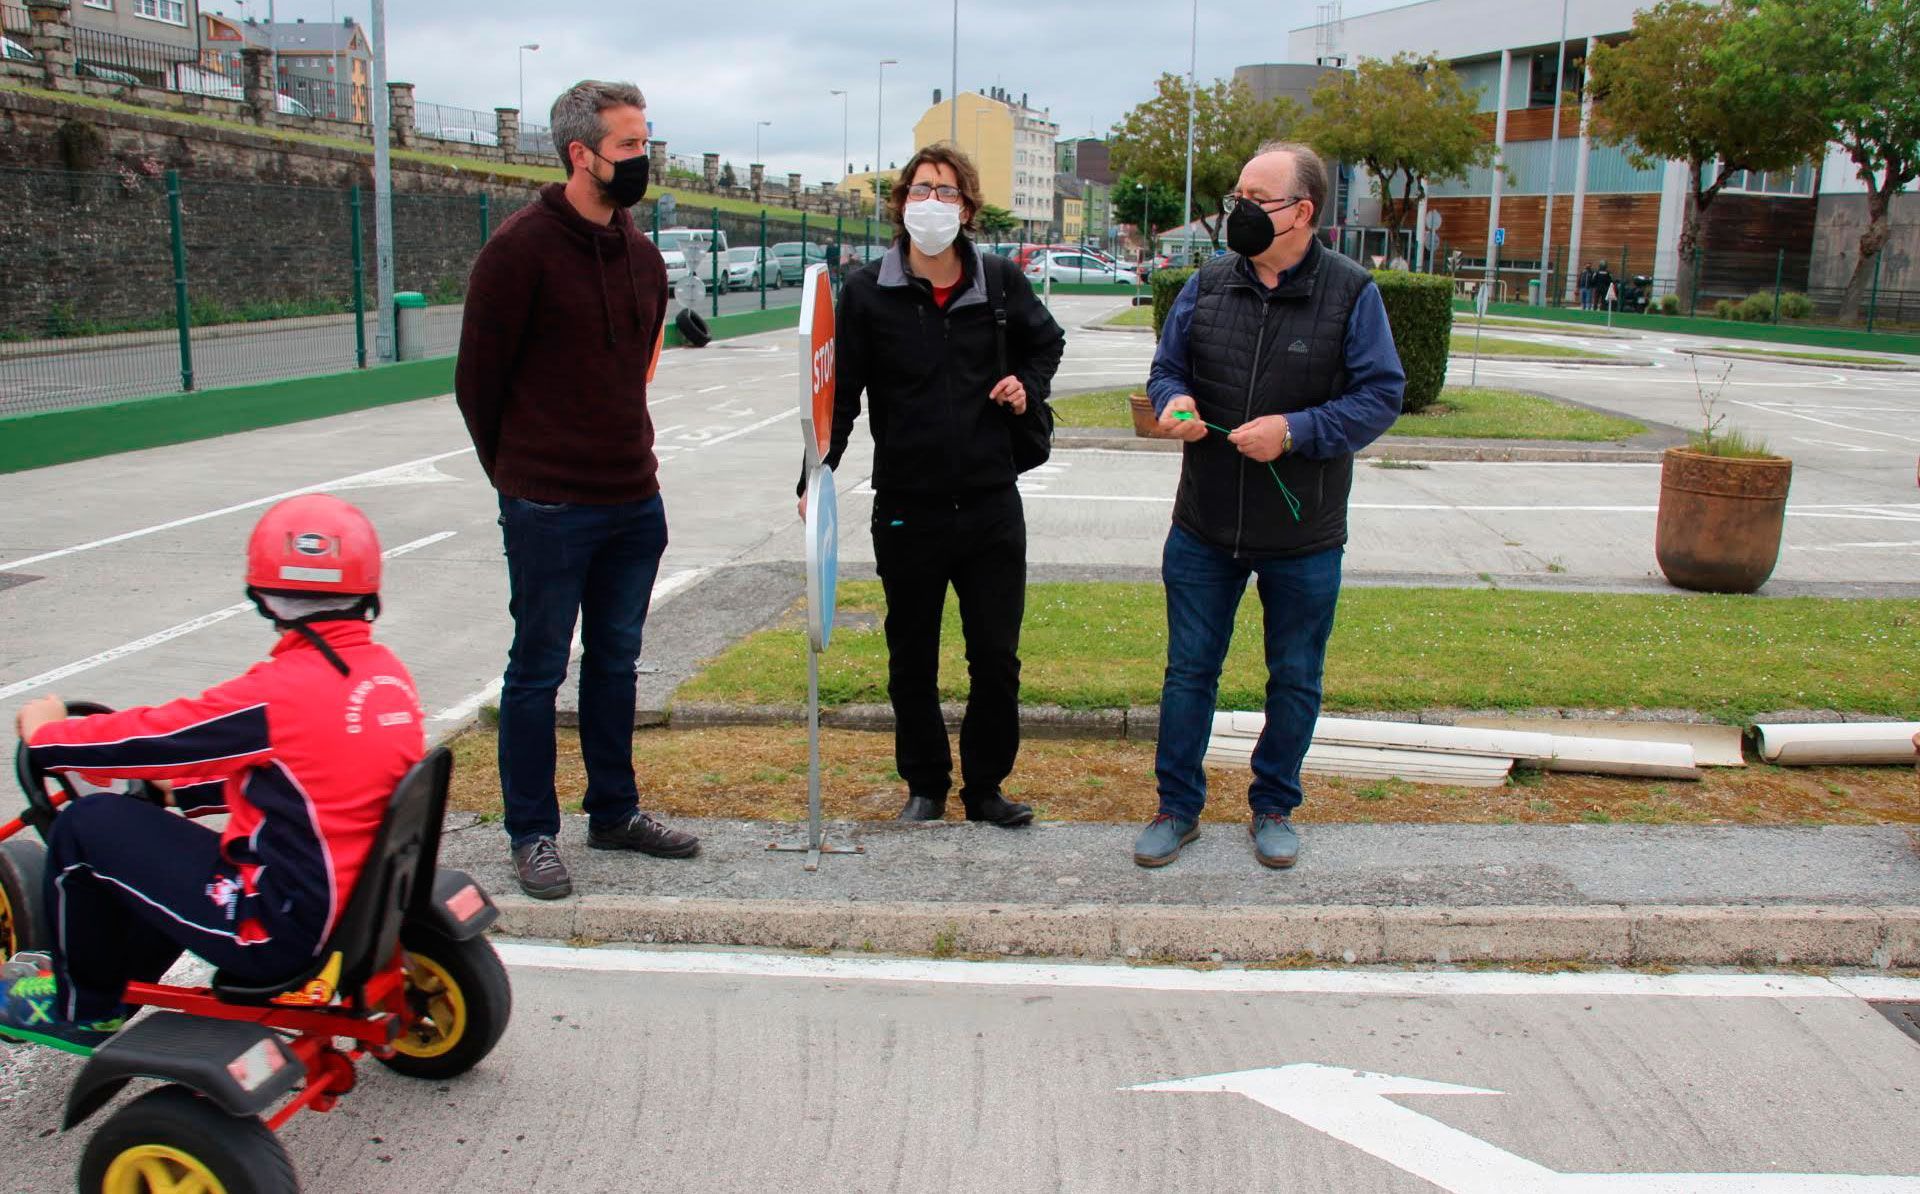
x=1142, y=722
x=1889, y=367
x=1496, y=358
x=1605, y=934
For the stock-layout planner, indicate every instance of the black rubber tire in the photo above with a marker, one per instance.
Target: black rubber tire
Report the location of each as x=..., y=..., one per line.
x=239, y=1150
x=473, y=968
x=23, y=914
x=693, y=328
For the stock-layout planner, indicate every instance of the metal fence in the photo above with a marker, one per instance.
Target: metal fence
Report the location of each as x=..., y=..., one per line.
x=1762, y=287
x=129, y=60
x=125, y=284
x=464, y=125
x=536, y=138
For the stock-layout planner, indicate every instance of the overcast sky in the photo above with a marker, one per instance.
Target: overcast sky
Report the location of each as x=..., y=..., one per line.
x=710, y=73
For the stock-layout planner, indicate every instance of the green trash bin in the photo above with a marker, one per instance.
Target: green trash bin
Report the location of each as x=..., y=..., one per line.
x=409, y=326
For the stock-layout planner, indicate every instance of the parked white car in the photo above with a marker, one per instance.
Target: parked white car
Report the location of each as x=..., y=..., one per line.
x=193, y=81
x=746, y=271
x=1078, y=267
x=13, y=51
x=676, y=267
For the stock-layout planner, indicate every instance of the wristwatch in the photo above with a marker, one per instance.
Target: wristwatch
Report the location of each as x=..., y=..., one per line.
x=1286, y=442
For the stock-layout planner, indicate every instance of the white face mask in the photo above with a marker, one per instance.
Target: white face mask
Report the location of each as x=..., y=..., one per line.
x=932, y=225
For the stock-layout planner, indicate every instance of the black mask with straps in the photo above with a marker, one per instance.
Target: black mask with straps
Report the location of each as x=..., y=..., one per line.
x=628, y=185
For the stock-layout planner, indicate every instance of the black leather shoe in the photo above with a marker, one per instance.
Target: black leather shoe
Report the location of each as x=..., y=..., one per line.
x=998, y=810
x=923, y=808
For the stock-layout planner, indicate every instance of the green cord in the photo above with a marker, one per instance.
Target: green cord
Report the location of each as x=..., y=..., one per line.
x=1293, y=503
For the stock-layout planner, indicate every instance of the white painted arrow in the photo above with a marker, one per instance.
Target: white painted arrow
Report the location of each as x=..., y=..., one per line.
x=1354, y=1107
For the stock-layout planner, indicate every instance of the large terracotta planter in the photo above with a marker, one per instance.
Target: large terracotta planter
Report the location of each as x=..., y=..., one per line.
x=1720, y=520
x=1144, y=422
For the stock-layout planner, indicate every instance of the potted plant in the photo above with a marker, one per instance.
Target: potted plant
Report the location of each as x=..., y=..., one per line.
x=1723, y=504
x=1166, y=285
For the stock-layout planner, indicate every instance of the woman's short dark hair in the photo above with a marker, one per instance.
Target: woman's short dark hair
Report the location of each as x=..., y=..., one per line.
x=965, y=176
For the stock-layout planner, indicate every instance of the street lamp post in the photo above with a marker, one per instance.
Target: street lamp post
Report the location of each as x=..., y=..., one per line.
x=522, y=109
x=758, y=125
x=953, y=100
x=879, y=115
x=1193, y=58
x=846, y=106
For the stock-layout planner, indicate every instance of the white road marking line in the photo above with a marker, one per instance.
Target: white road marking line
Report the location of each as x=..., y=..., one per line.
x=663, y=589
x=172, y=632
x=768, y=421
x=337, y=482
x=1905, y=439
x=710, y=389
x=1110, y=976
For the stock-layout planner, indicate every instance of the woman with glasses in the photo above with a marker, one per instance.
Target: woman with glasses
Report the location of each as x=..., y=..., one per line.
x=956, y=357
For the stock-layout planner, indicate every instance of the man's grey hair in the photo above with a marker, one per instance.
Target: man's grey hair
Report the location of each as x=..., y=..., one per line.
x=1309, y=173
x=576, y=114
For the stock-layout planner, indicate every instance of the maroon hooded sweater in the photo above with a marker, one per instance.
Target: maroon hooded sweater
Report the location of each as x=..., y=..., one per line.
x=562, y=315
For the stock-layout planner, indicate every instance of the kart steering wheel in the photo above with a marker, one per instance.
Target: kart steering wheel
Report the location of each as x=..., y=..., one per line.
x=42, y=805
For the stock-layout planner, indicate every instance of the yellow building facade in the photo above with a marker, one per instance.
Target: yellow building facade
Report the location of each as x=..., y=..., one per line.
x=985, y=135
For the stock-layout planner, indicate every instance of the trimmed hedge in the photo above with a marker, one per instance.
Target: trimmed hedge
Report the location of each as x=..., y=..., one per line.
x=1420, y=312
x=1166, y=288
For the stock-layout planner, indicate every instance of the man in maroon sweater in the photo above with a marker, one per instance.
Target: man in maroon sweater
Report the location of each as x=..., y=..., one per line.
x=563, y=310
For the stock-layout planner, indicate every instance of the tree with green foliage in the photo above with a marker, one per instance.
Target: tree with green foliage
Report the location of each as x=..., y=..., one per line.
x=994, y=221
x=1858, y=68
x=1663, y=94
x=1230, y=122
x=727, y=177
x=1148, y=204
x=1408, y=120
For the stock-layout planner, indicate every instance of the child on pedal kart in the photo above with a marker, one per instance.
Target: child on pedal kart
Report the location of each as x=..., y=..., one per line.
x=303, y=750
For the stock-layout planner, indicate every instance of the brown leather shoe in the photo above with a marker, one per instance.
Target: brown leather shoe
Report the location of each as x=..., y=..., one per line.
x=646, y=835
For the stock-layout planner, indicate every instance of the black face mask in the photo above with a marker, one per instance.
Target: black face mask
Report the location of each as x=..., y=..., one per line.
x=1249, y=229
x=629, y=183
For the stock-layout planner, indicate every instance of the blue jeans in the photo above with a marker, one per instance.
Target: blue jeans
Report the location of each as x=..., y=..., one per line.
x=1204, y=585
x=599, y=563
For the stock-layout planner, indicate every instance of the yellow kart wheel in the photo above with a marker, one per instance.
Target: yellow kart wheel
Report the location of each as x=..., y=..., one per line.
x=22, y=922
x=458, y=995
x=173, y=1141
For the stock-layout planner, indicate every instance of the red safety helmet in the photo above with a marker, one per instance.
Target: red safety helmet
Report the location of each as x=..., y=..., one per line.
x=314, y=543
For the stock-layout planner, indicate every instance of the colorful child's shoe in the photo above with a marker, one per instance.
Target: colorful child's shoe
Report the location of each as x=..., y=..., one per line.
x=28, y=1013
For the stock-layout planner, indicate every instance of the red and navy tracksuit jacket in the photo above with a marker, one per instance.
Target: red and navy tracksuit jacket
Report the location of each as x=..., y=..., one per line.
x=303, y=758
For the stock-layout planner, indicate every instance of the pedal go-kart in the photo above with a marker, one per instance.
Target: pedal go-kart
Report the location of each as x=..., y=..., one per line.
x=408, y=977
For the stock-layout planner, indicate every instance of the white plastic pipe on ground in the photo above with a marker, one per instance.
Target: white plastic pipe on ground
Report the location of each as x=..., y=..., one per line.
x=1431, y=744
x=1860, y=743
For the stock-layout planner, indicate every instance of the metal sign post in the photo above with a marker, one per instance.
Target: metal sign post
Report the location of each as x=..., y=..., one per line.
x=1480, y=314
x=823, y=532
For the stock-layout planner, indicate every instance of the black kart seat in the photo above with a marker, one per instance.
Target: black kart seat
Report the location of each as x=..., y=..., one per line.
x=406, y=847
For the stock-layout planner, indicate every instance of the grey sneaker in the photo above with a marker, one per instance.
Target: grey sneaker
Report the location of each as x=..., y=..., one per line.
x=1161, y=841
x=648, y=836
x=1275, y=843
x=542, y=875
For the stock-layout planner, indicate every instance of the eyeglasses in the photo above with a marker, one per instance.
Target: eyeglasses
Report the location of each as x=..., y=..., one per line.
x=1229, y=202
x=920, y=190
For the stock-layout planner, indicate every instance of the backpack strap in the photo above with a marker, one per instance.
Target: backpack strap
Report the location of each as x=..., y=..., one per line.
x=997, y=299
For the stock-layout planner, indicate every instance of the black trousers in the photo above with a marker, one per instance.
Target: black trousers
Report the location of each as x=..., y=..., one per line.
x=976, y=542
x=131, y=885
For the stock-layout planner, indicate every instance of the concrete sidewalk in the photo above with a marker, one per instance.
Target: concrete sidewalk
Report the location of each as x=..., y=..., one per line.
x=1607, y=895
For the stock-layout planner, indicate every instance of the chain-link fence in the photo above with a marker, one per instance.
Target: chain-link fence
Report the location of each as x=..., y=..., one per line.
x=125, y=284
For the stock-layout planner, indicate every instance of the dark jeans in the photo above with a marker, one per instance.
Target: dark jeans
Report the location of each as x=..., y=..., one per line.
x=978, y=543
x=1204, y=586
x=131, y=885
x=563, y=561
